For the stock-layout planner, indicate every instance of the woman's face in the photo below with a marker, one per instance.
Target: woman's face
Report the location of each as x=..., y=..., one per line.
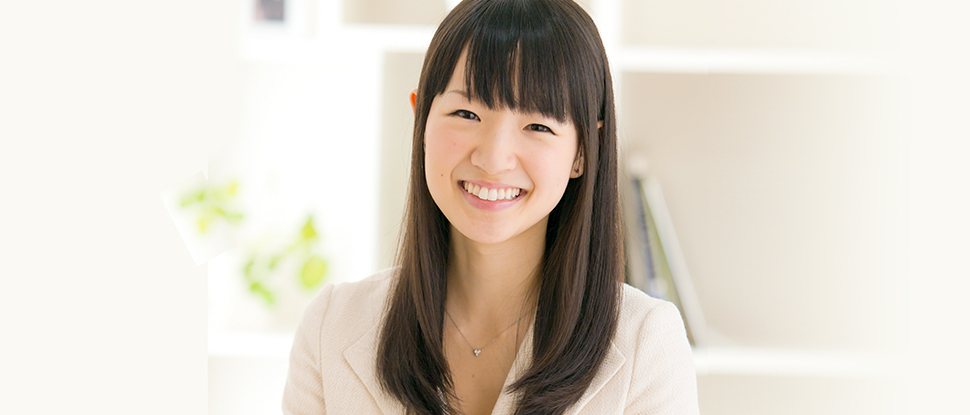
x=495, y=173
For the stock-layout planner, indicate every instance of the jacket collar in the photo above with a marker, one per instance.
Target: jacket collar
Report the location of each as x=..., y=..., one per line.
x=362, y=356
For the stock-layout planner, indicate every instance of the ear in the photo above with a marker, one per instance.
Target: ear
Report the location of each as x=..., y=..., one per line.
x=414, y=99
x=599, y=124
x=577, y=169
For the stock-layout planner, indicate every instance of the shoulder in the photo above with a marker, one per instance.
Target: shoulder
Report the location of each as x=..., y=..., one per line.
x=639, y=311
x=362, y=297
x=652, y=337
x=651, y=331
x=345, y=311
x=337, y=318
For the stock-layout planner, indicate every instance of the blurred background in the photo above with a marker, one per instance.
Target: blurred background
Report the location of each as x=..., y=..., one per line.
x=179, y=178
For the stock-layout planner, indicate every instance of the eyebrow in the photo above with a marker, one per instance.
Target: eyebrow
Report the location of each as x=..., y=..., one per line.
x=459, y=92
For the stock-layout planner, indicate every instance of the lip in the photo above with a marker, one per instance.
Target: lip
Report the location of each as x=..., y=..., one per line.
x=489, y=204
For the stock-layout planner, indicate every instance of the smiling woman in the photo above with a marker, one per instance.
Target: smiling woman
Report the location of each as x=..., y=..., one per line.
x=508, y=297
x=473, y=153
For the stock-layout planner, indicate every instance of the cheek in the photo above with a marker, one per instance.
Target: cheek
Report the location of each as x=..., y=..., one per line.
x=442, y=152
x=553, y=168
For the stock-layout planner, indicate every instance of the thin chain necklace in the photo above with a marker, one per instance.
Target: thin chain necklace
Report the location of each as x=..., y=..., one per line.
x=478, y=351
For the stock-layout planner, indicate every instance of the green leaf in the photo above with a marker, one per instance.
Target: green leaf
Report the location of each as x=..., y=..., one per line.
x=273, y=261
x=226, y=192
x=248, y=269
x=313, y=271
x=308, y=230
x=263, y=292
x=193, y=198
x=203, y=225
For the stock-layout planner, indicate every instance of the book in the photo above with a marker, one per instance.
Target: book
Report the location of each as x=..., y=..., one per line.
x=655, y=262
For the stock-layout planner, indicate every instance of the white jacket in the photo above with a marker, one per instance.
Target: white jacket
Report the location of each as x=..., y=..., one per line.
x=649, y=369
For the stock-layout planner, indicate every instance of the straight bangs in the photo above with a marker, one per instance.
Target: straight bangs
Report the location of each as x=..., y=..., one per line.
x=533, y=43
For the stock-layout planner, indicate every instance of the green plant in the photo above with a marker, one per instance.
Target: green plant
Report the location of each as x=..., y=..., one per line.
x=209, y=205
x=261, y=266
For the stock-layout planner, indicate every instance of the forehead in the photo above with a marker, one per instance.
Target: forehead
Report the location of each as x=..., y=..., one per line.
x=464, y=83
x=457, y=80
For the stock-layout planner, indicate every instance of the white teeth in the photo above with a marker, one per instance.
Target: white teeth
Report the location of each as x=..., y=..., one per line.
x=485, y=193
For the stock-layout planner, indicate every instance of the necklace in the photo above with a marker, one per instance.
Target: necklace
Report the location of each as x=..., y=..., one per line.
x=478, y=351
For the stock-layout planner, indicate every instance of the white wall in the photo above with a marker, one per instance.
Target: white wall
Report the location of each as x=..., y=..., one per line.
x=103, y=104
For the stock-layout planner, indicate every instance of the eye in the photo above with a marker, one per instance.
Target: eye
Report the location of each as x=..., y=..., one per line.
x=539, y=128
x=468, y=115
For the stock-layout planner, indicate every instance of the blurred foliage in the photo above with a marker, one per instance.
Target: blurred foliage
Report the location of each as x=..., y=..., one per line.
x=262, y=267
x=209, y=205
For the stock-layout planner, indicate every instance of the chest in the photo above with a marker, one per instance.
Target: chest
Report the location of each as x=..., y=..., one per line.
x=479, y=379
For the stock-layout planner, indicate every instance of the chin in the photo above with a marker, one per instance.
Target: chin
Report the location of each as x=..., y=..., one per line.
x=486, y=236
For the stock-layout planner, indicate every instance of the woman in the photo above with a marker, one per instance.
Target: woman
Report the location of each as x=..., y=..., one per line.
x=509, y=296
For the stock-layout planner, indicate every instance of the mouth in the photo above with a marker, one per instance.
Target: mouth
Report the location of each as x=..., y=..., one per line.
x=491, y=194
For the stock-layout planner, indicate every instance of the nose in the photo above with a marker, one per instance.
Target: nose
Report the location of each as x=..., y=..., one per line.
x=495, y=152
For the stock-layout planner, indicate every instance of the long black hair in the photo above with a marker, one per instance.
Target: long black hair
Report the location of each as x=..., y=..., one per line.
x=555, y=50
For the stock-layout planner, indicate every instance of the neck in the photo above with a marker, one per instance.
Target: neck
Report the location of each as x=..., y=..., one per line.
x=492, y=285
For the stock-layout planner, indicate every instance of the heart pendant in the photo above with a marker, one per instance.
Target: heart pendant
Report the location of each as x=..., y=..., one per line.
x=477, y=352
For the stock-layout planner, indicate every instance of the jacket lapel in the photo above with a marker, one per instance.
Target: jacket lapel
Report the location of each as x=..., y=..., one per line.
x=362, y=357
x=611, y=364
x=507, y=400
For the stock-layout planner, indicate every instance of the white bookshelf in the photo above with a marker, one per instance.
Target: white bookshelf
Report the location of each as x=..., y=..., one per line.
x=337, y=38
x=760, y=361
x=262, y=46
x=250, y=345
x=273, y=46
x=716, y=185
x=695, y=60
x=707, y=360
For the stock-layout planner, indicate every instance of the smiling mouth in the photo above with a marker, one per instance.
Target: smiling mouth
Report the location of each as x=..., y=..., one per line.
x=484, y=193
